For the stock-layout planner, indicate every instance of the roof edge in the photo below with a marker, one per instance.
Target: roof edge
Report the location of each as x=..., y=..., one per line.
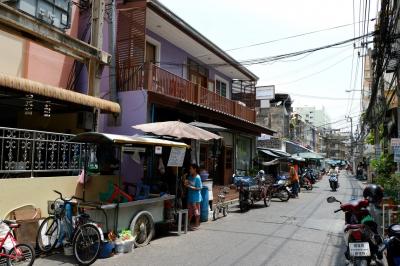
x=162, y=10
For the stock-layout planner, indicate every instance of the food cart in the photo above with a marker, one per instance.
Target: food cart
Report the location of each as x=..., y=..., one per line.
x=141, y=213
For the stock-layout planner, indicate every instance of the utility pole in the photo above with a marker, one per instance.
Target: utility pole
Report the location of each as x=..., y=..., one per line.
x=96, y=40
x=398, y=112
x=351, y=141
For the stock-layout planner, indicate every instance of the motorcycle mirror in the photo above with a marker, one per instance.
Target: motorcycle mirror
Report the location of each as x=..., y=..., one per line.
x=331, y=199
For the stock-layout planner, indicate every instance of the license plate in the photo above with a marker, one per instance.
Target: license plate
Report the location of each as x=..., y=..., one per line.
x=359, y=249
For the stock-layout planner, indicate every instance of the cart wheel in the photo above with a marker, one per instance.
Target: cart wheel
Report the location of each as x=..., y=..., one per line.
x=142, y=228
x=225, y=211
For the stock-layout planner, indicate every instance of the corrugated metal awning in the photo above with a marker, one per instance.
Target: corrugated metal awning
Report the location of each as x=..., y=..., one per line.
x=37, y=88
x=269, y=153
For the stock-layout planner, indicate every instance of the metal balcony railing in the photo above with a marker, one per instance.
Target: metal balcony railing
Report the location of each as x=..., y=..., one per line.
x=29, y=151
x=156, y=79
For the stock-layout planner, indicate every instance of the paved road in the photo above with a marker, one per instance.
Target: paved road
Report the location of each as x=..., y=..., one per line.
x=303, y=231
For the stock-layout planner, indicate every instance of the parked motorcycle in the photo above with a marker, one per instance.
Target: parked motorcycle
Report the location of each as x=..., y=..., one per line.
x=392, y=245
x=281, y=190
x=361, y=236
x=333, y=182
x=305, y=182
x=251, y=190
x=311, y=175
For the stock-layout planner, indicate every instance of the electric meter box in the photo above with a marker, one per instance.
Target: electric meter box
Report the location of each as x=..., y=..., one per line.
x=54, y=12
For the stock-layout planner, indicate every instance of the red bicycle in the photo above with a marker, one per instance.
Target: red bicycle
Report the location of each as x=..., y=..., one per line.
x=19, y=254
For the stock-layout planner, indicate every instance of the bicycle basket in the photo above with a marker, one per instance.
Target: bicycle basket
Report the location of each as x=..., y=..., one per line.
x=55, y=207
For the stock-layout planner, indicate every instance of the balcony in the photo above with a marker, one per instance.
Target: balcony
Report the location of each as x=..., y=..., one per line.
x=158, y=80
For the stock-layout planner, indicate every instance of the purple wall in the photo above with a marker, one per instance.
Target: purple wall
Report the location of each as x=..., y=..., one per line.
x=174, y=59
x=134, y=112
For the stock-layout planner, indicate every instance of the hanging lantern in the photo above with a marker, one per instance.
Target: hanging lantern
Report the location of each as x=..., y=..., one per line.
x=28, y=106
x=47, y=109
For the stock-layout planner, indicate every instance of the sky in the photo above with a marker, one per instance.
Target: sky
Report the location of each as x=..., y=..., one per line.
x=319, y=79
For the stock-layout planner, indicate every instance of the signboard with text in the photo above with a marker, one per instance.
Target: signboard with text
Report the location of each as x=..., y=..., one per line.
x=176, y=157
x=396, y=152
x=395, y=142
x=265, y=92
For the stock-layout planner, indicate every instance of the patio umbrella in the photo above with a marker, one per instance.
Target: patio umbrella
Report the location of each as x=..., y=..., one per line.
x=310, y=155
x=177, y=129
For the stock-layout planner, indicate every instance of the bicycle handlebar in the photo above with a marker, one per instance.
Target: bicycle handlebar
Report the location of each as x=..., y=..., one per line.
x=67, y=200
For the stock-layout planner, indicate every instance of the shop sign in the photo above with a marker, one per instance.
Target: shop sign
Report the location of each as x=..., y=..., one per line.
x=265, y=93
x=396, y=152
x=176, y=157
x=395, y=142
x=158, y=150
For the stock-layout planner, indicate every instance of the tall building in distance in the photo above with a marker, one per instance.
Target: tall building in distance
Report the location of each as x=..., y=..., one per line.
x=317, y=117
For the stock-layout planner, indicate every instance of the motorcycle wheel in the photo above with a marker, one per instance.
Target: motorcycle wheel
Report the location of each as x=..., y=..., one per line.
x=284, y=195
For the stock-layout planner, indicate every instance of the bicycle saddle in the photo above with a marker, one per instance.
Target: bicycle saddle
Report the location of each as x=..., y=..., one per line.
x=11, y=223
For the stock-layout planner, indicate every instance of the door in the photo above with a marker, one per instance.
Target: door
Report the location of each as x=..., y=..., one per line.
x=150, y=53
x=228, y=169
x=197, y=74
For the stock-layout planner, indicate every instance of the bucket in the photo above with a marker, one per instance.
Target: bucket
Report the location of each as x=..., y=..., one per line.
x=119, y=247
x=68, y=251
x=204, y=206
x=128, y=246
x=106, y=249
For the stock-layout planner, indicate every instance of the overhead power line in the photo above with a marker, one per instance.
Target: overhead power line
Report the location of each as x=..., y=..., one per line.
x=298, y=53
x=291, y=37
x=316, y=73
x=261, y=60
x=321, y=97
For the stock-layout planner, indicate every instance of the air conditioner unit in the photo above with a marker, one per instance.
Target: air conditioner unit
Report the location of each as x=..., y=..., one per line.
x=54, y=12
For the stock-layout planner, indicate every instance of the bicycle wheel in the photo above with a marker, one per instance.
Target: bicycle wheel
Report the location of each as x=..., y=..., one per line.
x=225, y=211
x=215, y=214
x=267, y=198
x=3, y=259
x=86, y=244
x=21, y=254
x=48, y=234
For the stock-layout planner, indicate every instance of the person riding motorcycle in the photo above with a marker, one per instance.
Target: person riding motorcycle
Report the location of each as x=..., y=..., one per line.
x=332, y=171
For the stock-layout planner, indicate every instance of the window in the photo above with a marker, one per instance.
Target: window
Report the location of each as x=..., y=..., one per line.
x=220, y=88
x=150, y=52
x=197, y=73
x=153, y=51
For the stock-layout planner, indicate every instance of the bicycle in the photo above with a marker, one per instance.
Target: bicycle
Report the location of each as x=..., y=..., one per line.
x=221, y=205
x=59, y=228
x=21, y=254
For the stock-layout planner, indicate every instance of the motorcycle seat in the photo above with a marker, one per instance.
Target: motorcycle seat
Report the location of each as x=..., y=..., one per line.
x=354, y=205
x=394, y=230
x=353, y=226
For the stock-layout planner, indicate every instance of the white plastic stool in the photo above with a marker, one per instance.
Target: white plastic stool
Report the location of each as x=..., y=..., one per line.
x=180, y=212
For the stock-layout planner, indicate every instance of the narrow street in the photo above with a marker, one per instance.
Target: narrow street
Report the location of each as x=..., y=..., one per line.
x=303, y=231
